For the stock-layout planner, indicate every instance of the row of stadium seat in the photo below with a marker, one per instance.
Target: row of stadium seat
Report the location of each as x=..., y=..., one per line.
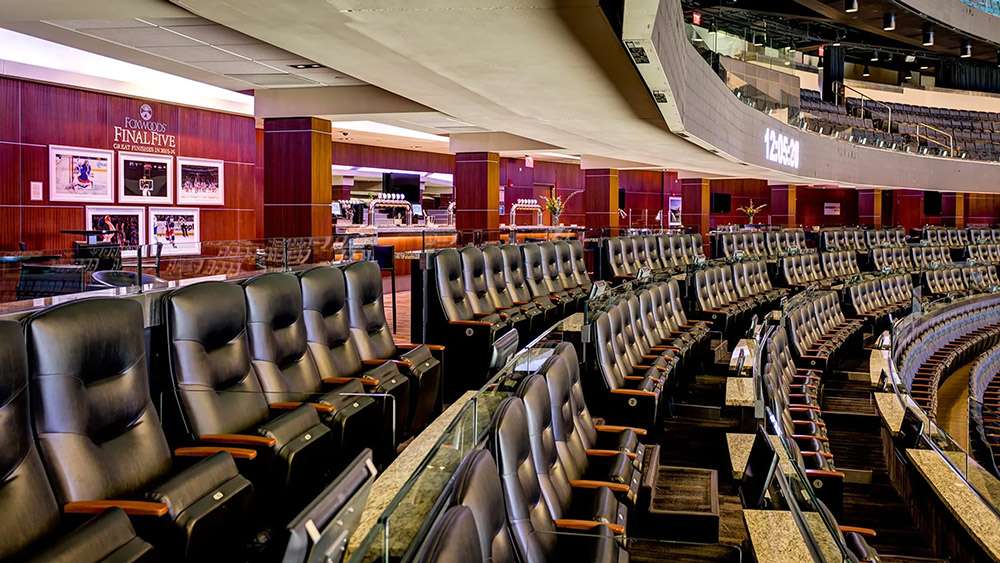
x=761, y=244
x=925, y=257
x=941, y=347
x=246, y=378
x=875, y=299
x=730, y=296
x=639, y=341
x=984, y=411
x=854, y=238
x=810, y=269
x=892, y=260
x=548, y=484
x=627, y=255
x=948, y=281
x=984, y=253
x=818, y=330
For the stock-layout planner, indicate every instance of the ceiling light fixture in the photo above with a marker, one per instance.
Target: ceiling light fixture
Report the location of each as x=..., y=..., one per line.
x=966, y=49
x=866, y=72
x=889, y=21
x=927, y=35
x=305, y=66
x=850, y=6
x=874, y=58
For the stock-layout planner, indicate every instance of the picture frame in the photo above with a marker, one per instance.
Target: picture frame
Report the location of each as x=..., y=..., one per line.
x=81, y=174
x=129, y=224
x=674, y=211
x=145, y=178
x=178, y=228
x=200, y=181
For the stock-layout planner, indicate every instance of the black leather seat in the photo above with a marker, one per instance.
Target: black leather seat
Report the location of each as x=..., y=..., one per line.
x=632, y=396
x=468, y=337
x=513, y=271
x=580, y=265
x=537, y=537
x=221, y=400
x=287, y=372
x=478, y=295
x=425, y=365
x=454, y=538
x=100, y=437
x=502, y=295
x=540, y=284
x=328, y=331
x=29, y=512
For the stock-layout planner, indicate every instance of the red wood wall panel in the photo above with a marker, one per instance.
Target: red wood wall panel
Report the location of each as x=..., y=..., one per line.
x=350, y=154
x=908, y=209
x=809, y=206
x=36, y=115
x=518, y=181
x=644, y=197
x=982, y=209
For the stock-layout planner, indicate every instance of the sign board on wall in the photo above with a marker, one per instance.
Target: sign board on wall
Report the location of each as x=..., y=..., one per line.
x=831, y=208
x=143, y=133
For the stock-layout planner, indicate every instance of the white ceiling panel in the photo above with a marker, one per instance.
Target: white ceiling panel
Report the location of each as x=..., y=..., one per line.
x=100, y=24
x=193, y=54
x=273, y=79
x=261, y=52
x=215, y=34
x=236, y=67
x=146, y=36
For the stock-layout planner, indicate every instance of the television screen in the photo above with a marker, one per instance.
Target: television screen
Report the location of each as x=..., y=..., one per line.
x=721, y=203
x=406, y=184
x=759, y=471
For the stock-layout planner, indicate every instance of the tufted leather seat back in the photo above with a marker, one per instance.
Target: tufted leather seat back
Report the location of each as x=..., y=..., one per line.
x=478, y=488
x=496, y=282
x=513, y=272
x=537, y=282
x=564, y=265
x=210, y=364
x=28, y=509
x=579, y=265
x=366, y=312
x=279, y=347
x=327, y=320
x=97, y=430
x=451, y=290
x=474, y=279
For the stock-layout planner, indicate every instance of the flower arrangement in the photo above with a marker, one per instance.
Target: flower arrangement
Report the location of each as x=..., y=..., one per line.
x=751, y=210
x=554, y=205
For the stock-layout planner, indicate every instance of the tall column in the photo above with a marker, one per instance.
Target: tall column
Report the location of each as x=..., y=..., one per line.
x=298, y=163
x=696, y=204
x=600, y=199
x=832, y=74
x=870, y=207
x=782, y=206
x=477, y=195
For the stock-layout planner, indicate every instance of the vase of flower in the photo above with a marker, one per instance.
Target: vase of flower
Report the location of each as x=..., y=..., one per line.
x=555, y=206
x=751, y=211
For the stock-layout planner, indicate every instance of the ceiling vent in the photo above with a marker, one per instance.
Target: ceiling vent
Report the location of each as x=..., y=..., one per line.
x=660, y=97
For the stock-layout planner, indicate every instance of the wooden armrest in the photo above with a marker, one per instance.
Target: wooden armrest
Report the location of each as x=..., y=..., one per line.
x=867, y=532
x=205, y=451
x=823, y=473
x=802, y=408
x=239, y=439
x=572, y=524
x=614, y=428
x=482, y=315
x=522, y=303
x=412, y=345
x=634, y=392
x=608, y=453
x=292, y=405
x=663, y=348
x=374, y=362
x=131, y=507
x=633, y=377
x=468, y=323
x=588, y=484
x=337, y=380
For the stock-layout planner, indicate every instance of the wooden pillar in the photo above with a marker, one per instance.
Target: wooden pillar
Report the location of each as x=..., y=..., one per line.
x=298, y=156
x=696, y=198
x=782, y=206
x=600, y=199
x=953, y=210
x=477, y=196
x=870, y=207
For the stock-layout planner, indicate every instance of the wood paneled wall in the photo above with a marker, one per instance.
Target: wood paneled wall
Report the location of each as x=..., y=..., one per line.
x=810, y=204
x=521, y=182
x=34, y=116
x=742, y=192
x=351, y=154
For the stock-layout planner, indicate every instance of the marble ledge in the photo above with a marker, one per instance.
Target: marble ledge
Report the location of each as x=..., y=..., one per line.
x=774, y=537
x=388, y=484
x=892, y=412
x=739, y=392
x=973, y=514
x=739, y=452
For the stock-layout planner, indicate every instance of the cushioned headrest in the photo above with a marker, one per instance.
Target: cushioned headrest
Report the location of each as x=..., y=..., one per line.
x=364, y=280
x=453, y=539
x=324, y=289
x=211, y=313
x=273, y=299
x=478, y=488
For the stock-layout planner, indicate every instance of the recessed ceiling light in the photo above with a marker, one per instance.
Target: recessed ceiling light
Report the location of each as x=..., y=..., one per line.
x=305, y=66
x=850, y=6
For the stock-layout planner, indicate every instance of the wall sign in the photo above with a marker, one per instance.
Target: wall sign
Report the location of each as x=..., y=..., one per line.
x=831, y=208
x=142, y=133
x=781, y=149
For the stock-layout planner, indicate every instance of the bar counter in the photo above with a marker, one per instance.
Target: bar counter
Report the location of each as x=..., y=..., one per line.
x=404, y=238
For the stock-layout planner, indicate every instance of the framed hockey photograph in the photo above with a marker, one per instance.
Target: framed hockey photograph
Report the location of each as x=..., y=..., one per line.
x=81, y=174
x=177, y=228
x=674, y=211
x=125, y=226
x=145, y=178
x=202, y=181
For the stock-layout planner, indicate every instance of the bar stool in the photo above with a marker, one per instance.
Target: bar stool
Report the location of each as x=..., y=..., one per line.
x=385, y=258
